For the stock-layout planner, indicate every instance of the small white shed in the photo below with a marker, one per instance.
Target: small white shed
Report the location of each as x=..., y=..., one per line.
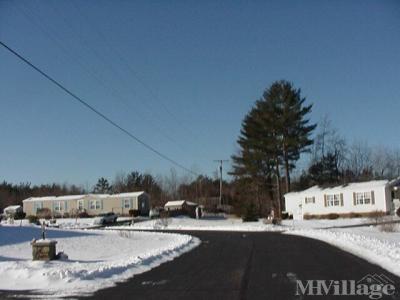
x=12, y=210
x=175, y=205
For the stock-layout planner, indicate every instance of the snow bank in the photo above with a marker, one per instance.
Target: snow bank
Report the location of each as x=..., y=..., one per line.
x=97, y=259
x=208, y=223
x=368, y=243
x=324, y=223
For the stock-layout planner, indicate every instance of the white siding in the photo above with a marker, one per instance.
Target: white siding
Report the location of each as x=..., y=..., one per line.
x=296, y=206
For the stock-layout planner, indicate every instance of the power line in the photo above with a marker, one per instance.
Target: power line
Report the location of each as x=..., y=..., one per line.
x=103, y=59
x=115, y=51
x=94, y=110
x=90, y=71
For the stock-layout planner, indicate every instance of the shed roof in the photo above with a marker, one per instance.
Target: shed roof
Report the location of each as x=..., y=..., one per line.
x=12, y=207
x=174, y=203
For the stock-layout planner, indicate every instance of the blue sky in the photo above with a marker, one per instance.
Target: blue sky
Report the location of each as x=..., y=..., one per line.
x=181, y=75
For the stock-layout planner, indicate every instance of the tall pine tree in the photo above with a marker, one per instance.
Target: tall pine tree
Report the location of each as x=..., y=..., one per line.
x=273, y=135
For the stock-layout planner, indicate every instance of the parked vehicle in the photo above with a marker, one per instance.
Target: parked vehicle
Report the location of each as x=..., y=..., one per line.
x=107, y=218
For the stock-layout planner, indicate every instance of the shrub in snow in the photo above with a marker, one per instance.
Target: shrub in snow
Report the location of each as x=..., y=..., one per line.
x=61, y=256
x=308, y=216
x=388, y=227
x=332, y=216
x=164, y=218
x=355, y=215
x=125, y=234
x=377, y=216
x=19, y=215
x=33, y=219
x=276, y=221
x=83, y=214
x=44, y=213
x=134, y=213
x=398, y=212
x=250, y=213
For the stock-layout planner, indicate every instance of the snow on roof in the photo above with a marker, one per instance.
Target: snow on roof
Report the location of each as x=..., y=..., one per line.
x=132, y=194
x=54, y=198
x=12, y=207
x=174, y=203
x=340, y=188
x=191, y=203
x=79, y=197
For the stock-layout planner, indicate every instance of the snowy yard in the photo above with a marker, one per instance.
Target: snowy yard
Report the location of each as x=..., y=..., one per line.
x=217, y=223
x=97, y=259
x=68, y=223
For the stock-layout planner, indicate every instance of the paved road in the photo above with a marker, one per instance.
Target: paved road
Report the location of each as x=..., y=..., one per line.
x=232, y=265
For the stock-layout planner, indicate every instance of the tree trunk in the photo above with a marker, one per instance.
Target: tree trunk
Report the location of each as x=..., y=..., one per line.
x=287, y=175
x=287, y=168
x=278, y=189
x=258, y=200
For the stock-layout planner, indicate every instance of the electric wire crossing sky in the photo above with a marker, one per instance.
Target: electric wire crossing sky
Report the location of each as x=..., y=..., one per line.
x=100, y=114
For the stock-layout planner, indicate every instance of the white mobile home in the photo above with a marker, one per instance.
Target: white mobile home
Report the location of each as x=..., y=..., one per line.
x=93, y=204
x=360, y=198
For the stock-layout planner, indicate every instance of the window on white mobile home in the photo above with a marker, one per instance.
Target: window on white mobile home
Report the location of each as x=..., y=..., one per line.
x=333, y=200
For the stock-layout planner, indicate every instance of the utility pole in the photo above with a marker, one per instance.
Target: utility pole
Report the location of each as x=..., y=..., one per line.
x=221, y=161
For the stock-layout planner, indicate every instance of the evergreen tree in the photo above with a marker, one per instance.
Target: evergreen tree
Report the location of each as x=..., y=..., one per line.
x=273, y=135
x=324, y=171
x=292, y=124
x=102, y=186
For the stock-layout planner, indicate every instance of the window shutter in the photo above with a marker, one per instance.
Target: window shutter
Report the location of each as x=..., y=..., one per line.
x=372, y=197
x=101, y=204
x=122, y=203
x=354, y=198
x=341, y=199
x=66, y=205
x=325, y=200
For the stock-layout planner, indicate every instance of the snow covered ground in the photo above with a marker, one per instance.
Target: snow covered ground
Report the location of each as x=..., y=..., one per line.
x=67, y=223
x=217, y=223
x=369, y=242
x=97, y=259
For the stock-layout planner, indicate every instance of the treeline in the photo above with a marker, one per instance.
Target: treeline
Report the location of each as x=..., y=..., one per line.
x=13, y=194
x=334, y=160
x=161, y=188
